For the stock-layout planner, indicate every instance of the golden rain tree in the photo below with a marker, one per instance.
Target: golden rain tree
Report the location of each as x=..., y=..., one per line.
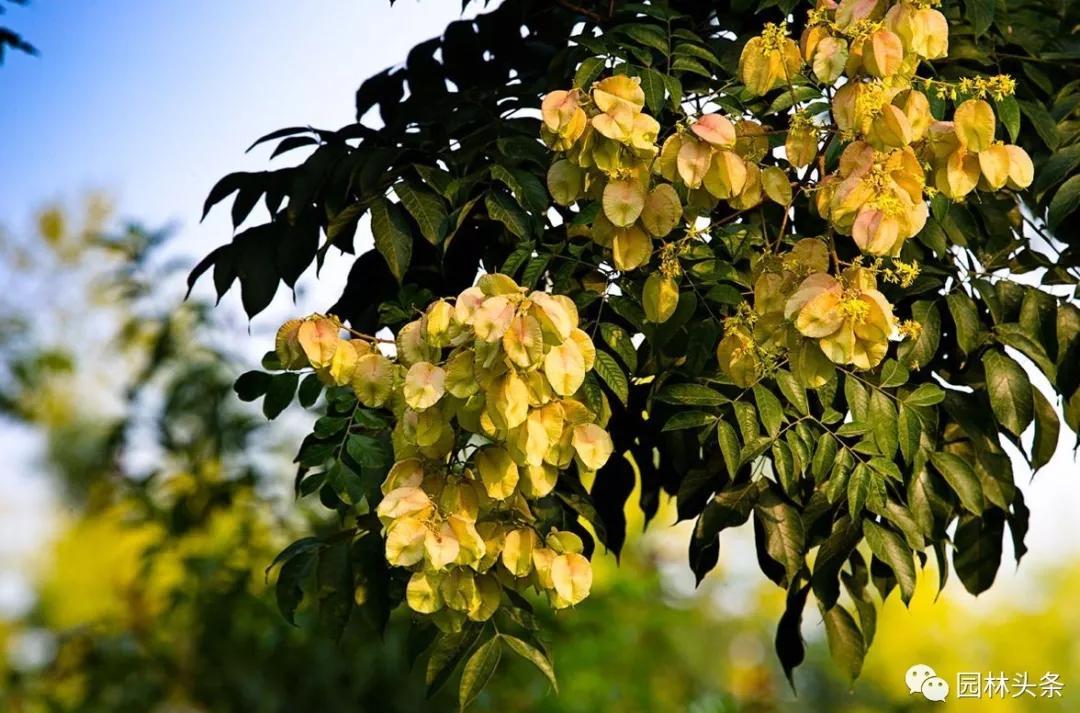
x=791, y=264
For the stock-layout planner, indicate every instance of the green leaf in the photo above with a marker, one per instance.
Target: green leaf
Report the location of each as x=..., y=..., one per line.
x=535, y=270
x=729, y=446
x=652, y=84
x=784, y=534
x=1008, y=112
x=620, y=343
x=648, y=35
x=691, y=65
x=962, y=479
x=533, y=655
x=793, y=391
x=446, y=654
x=309, y=391
x=279, y=394
x=688, y=419
x=908, y=430
x=925, y=395
x=502, y=208
x=980, y=13
x=1057, y=168
x=966, y=318
x=769, y=409
x=1023, y=339
x=1065, y=201
x=613, y=375
x=882, y=418
x=367, y=451
x=784, y=465
x=691, y=395
x=728, y=508
x=335, y=588
x=922, y=349
x=846, y=645
x=393, y=238
x=858, y=489
x=1047, y=429
x=893, y=373
x=831, y=556
x=426, y=208
x=478, y=671
x=252, y=385
x=1044, y=123
x=527, y=188
x=696, y=51
x=890, y=548
x=978, y=550
x=588, y=71
x=824, y=456
x=1010, y=391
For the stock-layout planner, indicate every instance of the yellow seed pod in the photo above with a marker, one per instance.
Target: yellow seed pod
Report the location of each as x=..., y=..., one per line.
x=829, y=59
x=425, y=384
x=439, y=326
x=751, y=193
x=801, y=146
x=493, y=284
x=659, y=297
x=623, y=202
x=529, y=443
x=882, y=53
x=617, y=125
x=811, y=254
x=493, y=535
x=407, y=473
x=562, y=542
x=876, y=232
x=844, y=105
x=586, y=346
x=974, y=123
x=564, y=367
x=538, y=481
x=777, y=185
x=373, y=380
x=592, y=444
x=571, y=577
x=458, y=589
x=441, y=546
x=935, y=43
x=810, y=365
x=405, y=542
x=619, y=91
x=518, y=549
x=488, y=597
x=543, y=558
x=715, y=130
x=558, y=109
x=524, y=341
x=758, y=69
x=498, y=472
x=726, y=175
x=491, y=320
x=318, y=337
x=508, y=401
x=737, y=358
x=411, y=347
x=809, y=40
x=751, y=143
x=693, y=162
x=662, y=210
x=565, y=182
x=471, y=547
x=402, y=502
x=994, y=164
x=916, y=108
x=428, y=427
x=467, y=303
x=343, y=362
x=1021, y=170
x=958, y=175
x=460, y=374
x=631, y=248
x=890, y=128
x=555, y=320
x=643, y=136
x=768, y=293
x=422, y=593
x=287, y=345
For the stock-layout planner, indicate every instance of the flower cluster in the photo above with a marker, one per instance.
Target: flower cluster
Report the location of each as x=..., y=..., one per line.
x=485, y=394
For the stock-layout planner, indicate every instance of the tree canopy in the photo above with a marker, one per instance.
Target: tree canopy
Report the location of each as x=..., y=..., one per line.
x=793, y=266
